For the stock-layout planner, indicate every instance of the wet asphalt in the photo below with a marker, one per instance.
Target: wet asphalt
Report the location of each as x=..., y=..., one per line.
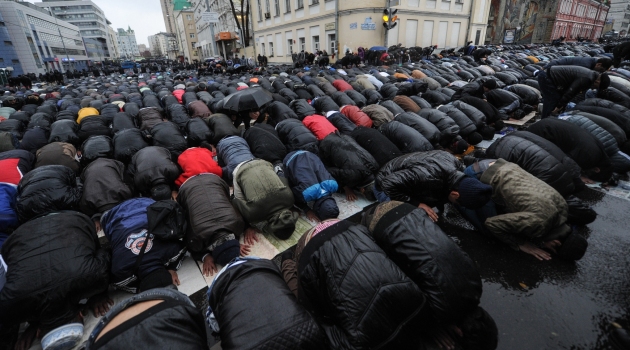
x=556, y=304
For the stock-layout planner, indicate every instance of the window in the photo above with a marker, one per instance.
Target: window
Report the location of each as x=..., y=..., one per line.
x=191, y=35
x=262, y=48
x=287, y=5
x=267, y=7
x=190, y=26
x=260, y=16
x=302, y=42
x=8, y=43
x=445, y=5
x=290, y=46
x=314, y=2
x=277, y=7
x=271, y=49
x=15, y=61
x=431, y=4
x=299, y=4
x=315, y=43
x=332, y=43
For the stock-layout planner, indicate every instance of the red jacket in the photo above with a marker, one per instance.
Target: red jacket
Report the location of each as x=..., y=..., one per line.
x=357, y=116
x=178, y=95
x=195, y=161
x=319, y=125
x=341, y=85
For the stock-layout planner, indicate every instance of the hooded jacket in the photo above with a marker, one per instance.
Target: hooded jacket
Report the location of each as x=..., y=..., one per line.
x=540, y=158
x=211, y=216
x=447, y=276
x=378, y=145
x=586, y=150
x=447, y=126
x=534, y=209
x=319, y=126
x=195, y=161
x=221, y=126
x=65, y=248
x=58, y=153
x=421, y=177
x=167, y=135
x=475, y=115
x=474, y=89
x=47, y=189
x=278, y=112
x=346, y=161
x=103, y=186
x=379, y=114
x=152, y=166
x=264, y=143
x=354, y=305
x=249, y=319
x=308, y=177
x=125, y=226
x=605, y=138
x=296, y=136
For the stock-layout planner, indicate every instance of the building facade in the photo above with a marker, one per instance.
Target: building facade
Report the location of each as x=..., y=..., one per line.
x=114, y=51
x=283, y=27
x=187, y=34
x=164, y=45
x=540, y=21
x=127, y=45
x=169, y=18
x=86, y=15
x=33, y=41
x=619, y=16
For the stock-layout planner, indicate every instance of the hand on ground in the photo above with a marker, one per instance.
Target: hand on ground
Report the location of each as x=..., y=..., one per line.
x=208, y=266
x=350, y=194
x=175, y=277
x=100, y=304
x=250, y=236
x=245, y=249
x=432, y=215
x=552, y=245
x=531, y=249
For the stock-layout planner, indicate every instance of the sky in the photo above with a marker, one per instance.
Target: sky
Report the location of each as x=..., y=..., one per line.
x=144, y=16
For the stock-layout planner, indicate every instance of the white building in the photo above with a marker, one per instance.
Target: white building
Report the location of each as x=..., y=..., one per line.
x=619, y=14
x=86, y=15
x=283, y=27
x=113, y=38
x=164, y=45
x=127, y=45
x=33, y=41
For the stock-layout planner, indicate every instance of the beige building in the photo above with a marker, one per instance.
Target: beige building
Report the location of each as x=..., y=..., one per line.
x=283, y=27
x=169, y=18
x=187, y=34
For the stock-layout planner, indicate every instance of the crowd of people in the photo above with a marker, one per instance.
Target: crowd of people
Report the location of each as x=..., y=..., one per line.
x=190, y=164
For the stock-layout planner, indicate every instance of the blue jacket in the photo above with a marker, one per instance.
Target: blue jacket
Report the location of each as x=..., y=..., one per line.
x=232, y=151
x=125, y=227
x=308, y=176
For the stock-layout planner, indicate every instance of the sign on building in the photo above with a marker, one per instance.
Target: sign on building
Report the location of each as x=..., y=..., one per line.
x=353, y=25
x=509, y=36
x=210, y=17
x=368, y=24
x=330, y=26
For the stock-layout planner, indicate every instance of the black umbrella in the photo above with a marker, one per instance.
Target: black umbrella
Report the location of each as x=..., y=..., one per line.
x=247, y=100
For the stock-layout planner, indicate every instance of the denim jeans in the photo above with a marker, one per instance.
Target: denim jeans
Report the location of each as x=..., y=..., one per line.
x=549, y=92
x=477, y=217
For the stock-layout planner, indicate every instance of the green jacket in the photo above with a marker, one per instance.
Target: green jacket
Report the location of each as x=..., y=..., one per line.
x=259, y=192
x=534, y=209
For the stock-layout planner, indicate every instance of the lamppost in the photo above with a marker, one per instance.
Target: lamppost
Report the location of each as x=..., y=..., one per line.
x=60, y=37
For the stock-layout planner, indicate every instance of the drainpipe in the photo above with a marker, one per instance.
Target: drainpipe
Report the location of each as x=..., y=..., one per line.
x=249, y=4
x=470, y=20
x=337, y=27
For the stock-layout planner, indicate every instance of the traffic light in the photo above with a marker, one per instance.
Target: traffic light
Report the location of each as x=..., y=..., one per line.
x=390, y=18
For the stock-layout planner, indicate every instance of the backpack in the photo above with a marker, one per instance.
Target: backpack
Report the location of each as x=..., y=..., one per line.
x=167, y=220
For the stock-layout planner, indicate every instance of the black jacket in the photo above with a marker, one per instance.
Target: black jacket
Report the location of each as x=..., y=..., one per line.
x=447, y=126
x=354, y=307
x=65, y=248
x=103, y=186
x=571, y=80
x=126, y=143
x=585, y=149
x=152, y=166
x=474, y=89
x=251, y=319
x=221, y=126
x=346, y=161
x=447, y=276
x=46, y=189
x=167, y=135
x=278, y=112
x=466, y=125
x=421, y=177
x=421, y=125
x=475, y=115
x=296, y=136
x=406, y=138
x=491, y=112
x=264, y=143
x=377, y=144
x=540, y=158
